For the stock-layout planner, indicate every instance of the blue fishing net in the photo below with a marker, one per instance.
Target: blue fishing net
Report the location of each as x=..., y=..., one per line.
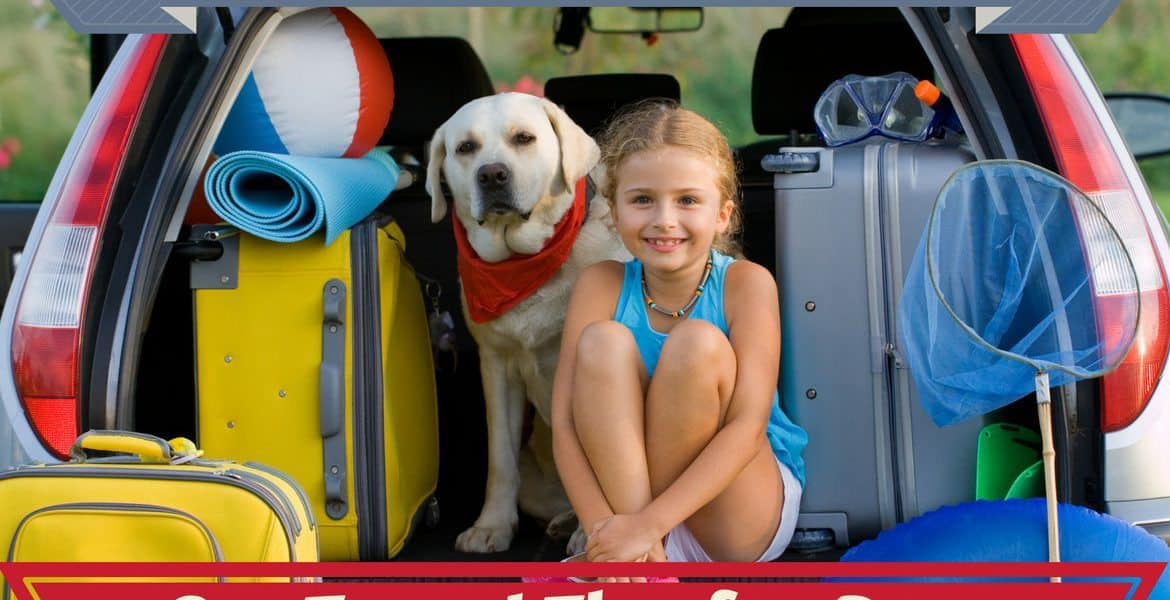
x=1009, y=279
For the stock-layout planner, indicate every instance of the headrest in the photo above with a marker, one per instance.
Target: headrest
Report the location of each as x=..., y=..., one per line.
x=794, y=65
x=433, y=77
x=591, y=100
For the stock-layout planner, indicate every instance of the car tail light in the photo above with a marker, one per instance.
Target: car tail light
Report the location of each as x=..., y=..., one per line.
x=1086, y=157
x=46, y=342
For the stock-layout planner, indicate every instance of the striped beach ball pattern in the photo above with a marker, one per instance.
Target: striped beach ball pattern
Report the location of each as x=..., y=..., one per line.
x=322, y=86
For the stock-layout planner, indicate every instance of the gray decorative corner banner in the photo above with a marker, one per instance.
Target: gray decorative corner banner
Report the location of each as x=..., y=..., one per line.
x=992, y=16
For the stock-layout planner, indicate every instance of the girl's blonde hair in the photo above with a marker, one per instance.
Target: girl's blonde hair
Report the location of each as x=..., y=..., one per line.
x=652, y=124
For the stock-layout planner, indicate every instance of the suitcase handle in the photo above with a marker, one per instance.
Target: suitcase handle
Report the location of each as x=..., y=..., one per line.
x=332, y=397
x=791, y=162
x=148, y=448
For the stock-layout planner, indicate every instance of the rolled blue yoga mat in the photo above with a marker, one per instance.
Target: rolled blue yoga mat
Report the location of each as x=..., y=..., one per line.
x=286, y=198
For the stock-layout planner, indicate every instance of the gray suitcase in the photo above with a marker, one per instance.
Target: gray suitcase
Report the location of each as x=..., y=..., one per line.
x=848, y=220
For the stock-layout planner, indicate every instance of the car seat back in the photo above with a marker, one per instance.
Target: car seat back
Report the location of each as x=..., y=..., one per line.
x=592, y=100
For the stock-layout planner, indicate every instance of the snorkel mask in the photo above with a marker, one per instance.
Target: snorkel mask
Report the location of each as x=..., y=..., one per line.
x=856, y=107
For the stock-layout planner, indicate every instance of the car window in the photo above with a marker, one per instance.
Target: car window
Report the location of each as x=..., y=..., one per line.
x=713, y=65
x=44, y=85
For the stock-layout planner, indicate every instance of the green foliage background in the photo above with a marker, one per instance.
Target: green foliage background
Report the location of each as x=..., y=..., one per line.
x=1131, y=53
x=713, y=65
x=44, y=67
x=44, y=84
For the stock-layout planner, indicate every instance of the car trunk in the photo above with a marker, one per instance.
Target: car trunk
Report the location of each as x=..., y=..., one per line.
x=143, y=375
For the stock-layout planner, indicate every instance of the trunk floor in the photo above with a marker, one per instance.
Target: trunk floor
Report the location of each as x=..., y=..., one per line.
x=530, y=545
x=437, y=544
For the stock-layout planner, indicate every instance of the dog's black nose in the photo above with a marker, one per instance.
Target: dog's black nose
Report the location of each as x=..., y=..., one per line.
x=493, y=175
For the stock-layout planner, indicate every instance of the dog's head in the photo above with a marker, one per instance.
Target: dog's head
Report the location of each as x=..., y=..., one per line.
x=503, y=155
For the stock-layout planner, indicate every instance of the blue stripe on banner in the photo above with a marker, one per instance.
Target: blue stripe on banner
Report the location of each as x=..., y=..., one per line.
x=1024, y=16
x=248, y=126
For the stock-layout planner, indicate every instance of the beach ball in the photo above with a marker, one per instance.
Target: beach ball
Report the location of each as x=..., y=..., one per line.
x=321, y=86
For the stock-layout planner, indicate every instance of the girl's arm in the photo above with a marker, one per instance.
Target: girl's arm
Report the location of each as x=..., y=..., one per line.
x=751, y=307
x=593, y=299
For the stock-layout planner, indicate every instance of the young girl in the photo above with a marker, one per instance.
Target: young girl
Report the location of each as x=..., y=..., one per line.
x=667, y=429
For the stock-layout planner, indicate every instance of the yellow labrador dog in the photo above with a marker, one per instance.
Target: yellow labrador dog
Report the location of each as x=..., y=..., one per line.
x=513, y=163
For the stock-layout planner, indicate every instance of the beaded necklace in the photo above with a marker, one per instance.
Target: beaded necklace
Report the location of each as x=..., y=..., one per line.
x=691, y=303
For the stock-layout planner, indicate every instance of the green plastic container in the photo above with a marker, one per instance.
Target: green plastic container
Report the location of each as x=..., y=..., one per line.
x=1030, y=483
x=1005, y=454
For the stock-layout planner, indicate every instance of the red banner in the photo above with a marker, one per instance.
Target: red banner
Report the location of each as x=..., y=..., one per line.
x=502, y=581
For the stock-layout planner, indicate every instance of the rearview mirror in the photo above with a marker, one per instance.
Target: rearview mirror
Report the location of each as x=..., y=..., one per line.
x=606, y=19
x=1144, y=120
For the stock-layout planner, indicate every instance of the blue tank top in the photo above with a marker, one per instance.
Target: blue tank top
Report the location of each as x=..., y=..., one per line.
x=786, y=438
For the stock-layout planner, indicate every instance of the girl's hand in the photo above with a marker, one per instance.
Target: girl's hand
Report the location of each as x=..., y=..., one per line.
x=623, y=538
x=657, y=553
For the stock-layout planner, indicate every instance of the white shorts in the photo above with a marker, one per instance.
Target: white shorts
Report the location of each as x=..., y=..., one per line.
x=681, y=545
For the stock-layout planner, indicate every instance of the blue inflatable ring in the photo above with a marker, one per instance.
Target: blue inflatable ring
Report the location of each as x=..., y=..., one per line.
x=1014, y=531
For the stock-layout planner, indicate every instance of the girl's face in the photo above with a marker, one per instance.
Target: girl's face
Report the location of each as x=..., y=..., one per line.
x=668, y=207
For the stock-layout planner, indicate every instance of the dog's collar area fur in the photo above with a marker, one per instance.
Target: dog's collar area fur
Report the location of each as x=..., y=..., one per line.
x=490, y=289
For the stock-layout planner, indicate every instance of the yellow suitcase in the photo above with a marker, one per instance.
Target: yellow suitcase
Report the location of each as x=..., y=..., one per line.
x=317, y=360
x=153, y=501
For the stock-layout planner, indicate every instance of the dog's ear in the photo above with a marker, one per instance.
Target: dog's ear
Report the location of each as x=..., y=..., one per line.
x=434, y=183
x=578, y=150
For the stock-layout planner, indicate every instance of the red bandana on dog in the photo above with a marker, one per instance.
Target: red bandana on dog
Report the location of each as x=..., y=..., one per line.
x=493, y=288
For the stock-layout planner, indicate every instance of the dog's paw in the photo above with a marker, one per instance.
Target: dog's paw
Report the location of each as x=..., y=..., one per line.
x=576, y=543
x=482, y=540
x=562, y=526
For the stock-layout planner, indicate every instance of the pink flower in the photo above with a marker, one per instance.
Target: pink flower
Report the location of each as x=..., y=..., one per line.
x=11, y=146
x=525, y=85
x=5, y=159
x=528, y=85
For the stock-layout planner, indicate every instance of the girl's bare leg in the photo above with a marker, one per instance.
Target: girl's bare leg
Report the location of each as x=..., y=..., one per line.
x=686, y=405
x=609, y=382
